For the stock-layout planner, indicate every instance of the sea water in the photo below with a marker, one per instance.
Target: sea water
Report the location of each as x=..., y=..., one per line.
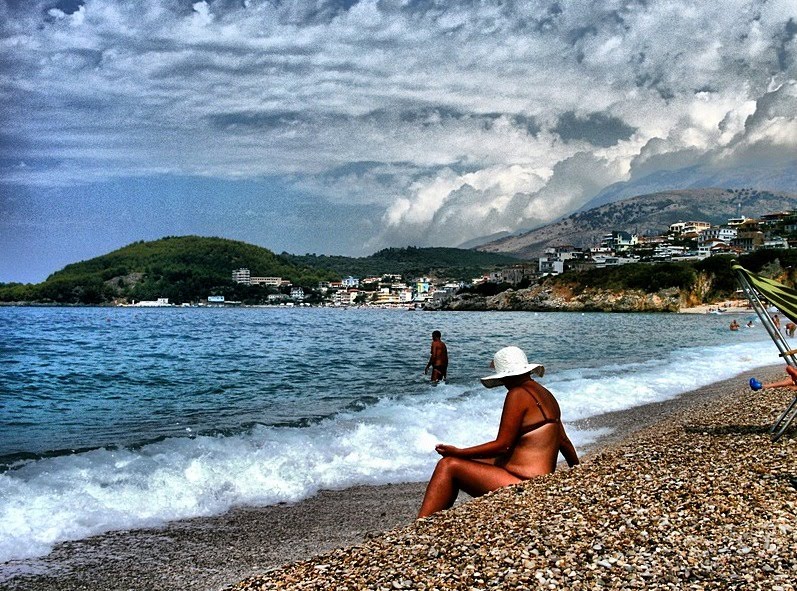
x=115, y=418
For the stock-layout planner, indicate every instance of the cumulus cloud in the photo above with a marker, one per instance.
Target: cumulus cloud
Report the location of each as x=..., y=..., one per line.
x=454, y=119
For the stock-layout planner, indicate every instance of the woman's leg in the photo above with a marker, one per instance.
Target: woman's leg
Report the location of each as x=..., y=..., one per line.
x=452, y=475
x=790, y=382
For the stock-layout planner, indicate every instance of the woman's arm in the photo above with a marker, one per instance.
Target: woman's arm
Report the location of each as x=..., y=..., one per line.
x=568, y=449
x=508, y=430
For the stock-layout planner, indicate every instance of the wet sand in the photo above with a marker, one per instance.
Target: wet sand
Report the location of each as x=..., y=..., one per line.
x=216, y=552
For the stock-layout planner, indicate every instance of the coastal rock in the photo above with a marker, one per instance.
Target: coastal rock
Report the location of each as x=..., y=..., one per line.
x=547, y=298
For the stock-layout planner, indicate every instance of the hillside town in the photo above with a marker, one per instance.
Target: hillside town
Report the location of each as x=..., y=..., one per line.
x=682, y=241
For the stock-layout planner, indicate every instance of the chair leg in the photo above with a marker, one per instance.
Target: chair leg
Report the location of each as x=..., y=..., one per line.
x=783, y=422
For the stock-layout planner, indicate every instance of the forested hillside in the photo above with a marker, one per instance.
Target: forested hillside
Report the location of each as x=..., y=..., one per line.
x=181, y=268
x=456, y=263
x=189, y=268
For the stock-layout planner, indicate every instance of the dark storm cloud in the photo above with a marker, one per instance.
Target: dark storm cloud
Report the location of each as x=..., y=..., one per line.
x=596, y=128
x=785, y=48
x=483, y=112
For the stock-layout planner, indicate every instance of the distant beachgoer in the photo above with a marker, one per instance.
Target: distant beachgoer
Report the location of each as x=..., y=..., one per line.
x=789, y=383
x=790, y=328
x=749, y=324
x=734, y=325
x=776, y=321
x=438, y=359
x=530, y=437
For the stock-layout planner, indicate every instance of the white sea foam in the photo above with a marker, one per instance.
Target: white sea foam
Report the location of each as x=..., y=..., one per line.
x=70, y=497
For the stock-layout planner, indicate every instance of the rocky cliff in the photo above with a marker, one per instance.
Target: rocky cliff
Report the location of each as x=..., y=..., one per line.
x=556, y=298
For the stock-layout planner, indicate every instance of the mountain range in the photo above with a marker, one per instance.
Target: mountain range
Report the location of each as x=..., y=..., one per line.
x=643, y=215
x=774, y=174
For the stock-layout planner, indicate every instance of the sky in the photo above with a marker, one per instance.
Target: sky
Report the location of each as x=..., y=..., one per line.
x=343, y=127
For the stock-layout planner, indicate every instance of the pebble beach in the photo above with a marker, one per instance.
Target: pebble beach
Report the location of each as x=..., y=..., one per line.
x=701, y=500
x=684, y=494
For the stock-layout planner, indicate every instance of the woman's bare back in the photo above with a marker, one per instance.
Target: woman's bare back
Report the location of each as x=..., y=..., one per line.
x=536, y=450
x=535, y=453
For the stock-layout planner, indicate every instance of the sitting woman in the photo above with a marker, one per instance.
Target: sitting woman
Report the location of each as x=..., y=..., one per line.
x=528, y=443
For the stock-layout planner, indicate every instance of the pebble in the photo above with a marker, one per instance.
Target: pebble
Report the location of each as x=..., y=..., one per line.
x=703, y=500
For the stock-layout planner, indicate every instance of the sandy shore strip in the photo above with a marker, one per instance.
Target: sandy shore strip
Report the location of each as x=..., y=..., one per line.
x=729, y=307
x=695, y=496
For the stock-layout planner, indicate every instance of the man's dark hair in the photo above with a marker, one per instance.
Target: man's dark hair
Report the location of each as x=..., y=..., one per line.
x=436, y=334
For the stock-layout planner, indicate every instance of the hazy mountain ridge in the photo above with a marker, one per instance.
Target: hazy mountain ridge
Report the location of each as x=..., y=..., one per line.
x=778, y=177
x=644, y=214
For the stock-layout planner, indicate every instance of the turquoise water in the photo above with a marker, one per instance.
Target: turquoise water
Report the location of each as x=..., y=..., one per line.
x=114, y=418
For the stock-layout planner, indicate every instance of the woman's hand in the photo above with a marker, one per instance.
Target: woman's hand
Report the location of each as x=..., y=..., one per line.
x=446, y=450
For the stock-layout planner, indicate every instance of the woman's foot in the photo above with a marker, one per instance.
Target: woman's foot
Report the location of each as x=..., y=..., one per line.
x=755, y=385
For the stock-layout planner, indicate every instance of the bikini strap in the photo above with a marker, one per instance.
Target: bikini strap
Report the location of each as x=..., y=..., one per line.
x=537, y=402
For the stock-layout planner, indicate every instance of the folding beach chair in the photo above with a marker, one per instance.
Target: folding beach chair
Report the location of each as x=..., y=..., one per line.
x=784, y=298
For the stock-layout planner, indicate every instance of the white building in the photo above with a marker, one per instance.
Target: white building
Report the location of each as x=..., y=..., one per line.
x=350, y=282
x=345, y=297
x=736, y=222
x=267, y=281
x=776, y=242
x=297, y=293
x=159, y=303
x=386, y=295
x=242, y=276
x=723, y=233
x=551, y=266
x=619, y=240
x=667, y=251
x=553, y=262
x=689, y=227
x=603, y=261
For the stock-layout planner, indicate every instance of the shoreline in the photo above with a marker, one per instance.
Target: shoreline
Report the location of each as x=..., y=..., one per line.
x=727, y=307
x=723, y=307
x=214, y=552
x=700, y=500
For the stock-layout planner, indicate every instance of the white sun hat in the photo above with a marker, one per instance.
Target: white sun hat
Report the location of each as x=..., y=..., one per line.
x=510, y=361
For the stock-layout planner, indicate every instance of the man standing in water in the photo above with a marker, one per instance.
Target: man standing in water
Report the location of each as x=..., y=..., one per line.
x=438, y=359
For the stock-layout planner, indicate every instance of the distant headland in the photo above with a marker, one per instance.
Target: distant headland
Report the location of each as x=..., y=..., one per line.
x=609, y=265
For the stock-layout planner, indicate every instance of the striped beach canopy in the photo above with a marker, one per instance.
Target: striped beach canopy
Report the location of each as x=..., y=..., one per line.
x=782, y=297
x=756, y=288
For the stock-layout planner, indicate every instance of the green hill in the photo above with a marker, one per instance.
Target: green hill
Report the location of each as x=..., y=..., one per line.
x=184, y=269
x=455, y=263
x=189, y=268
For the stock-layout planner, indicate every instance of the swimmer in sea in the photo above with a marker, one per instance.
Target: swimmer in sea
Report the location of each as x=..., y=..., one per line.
x=530, y=437
x=438, y=359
